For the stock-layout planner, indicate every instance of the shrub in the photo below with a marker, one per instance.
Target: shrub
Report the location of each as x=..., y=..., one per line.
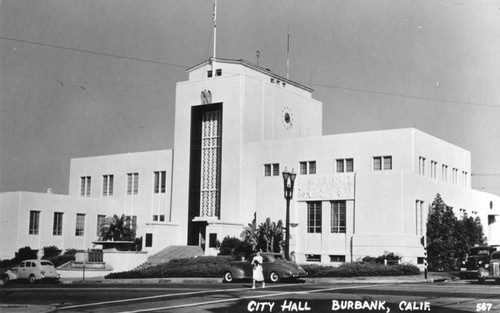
x=360, y=269
x=235, y=247
x=209, y=266
x=389, y=256
x=51, y=252
x=25, y=253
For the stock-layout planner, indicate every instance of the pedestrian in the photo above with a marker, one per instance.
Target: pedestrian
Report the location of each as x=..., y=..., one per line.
x=258, y=274
x=292, y=256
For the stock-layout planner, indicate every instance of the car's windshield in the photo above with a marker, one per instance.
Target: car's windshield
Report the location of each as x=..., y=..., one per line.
x=278, y=257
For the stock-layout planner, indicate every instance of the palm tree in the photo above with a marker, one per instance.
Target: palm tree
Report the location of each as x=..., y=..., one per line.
x=249, y=233
x=270, y=235
x=117, y=228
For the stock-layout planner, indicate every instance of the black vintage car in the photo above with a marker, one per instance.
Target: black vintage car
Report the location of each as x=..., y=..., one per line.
x=478, y=257
x=275, y=268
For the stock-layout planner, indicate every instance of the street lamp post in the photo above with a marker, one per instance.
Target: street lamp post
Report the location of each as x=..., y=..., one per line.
x=288, y=181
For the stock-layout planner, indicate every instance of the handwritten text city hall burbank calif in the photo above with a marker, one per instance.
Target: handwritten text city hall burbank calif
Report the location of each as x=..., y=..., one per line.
x=339, y=306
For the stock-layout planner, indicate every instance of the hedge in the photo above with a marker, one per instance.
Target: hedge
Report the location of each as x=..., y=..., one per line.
x=215, y=266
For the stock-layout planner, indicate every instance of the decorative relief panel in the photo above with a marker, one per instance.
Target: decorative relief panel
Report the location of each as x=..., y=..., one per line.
x=322, y=187
x=211, y=163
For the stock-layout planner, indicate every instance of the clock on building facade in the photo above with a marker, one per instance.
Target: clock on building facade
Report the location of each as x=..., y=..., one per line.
x=287, y=117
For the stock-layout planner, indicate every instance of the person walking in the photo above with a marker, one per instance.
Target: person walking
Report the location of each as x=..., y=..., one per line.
x=258, y=274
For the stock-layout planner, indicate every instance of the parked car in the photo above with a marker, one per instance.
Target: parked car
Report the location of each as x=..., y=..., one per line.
x=490, y=269
x=478, y=256
x=32, y=270
x=275, y=268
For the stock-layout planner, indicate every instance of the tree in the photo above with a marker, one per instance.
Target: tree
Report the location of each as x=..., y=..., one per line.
x=117, y=228
x=249, y=233
x=25, y=253
x=448, y=238
x=268, y=236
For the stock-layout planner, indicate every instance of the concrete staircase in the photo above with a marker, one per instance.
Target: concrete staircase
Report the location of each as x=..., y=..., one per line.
x=170, y=253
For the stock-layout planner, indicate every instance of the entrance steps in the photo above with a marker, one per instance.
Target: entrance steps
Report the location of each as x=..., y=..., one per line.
x=170, y=253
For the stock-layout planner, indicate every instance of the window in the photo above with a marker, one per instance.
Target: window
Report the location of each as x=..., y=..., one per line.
x=454, y=176
x=419, y=217
x=101, y=219
x=337, y=258
x=57, y=225
x=34, y=222
x=218, y=72
x=160, y=182
x=338, y=217
x=209, y=73
x=433, y=169
x=132, y=183
x=345, y=165
x=155, y=218
x=464, y=178
x=80, y=224
x=314, y=217
x=149, y=240
x=272, y=169
x=444, y=172
x=421, y=165
x=213, y=240
x=313, y=257
x=382, y=163
x=107, y=185
x=307, y=167
x=85, y=186
x=132, y=222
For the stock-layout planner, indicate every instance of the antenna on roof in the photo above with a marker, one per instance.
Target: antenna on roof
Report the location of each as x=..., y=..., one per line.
x=288, y=55
x=257, y=53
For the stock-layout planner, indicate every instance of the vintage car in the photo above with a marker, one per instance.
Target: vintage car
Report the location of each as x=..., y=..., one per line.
x=32, y=270
x=477, y=256
x=490, y=269
x=275, y=268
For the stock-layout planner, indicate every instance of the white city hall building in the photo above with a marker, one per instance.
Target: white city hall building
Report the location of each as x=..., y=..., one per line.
x=237, y=128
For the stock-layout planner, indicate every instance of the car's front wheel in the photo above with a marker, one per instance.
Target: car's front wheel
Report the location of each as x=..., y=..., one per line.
x=32, y=279
x=228, y=277
x=274, y=277
x=5, y=279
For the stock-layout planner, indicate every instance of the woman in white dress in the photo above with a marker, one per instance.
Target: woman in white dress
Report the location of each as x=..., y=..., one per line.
x=258, y=275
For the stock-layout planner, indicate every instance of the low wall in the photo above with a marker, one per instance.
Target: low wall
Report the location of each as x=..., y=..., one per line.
x=121, y=261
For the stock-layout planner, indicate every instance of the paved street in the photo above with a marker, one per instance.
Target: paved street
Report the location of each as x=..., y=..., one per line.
x=453, y=296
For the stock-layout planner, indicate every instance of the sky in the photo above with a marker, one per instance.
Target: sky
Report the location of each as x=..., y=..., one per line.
x=84, y=78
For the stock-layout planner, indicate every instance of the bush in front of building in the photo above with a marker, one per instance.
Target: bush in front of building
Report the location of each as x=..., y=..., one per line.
x=50, y=252
x=387, y=256
x=232, y=246
x=206, y=266
x=356, y=269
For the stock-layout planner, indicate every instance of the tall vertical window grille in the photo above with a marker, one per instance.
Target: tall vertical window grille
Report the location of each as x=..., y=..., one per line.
x=101, y=219
x=419, y=217
x=338, y=217
x=57, y=226
x=444, y=172
x=107, y=185
x=211, y=132
x=34, y=222
x=85, y=186
x=433, y=169
x=132, y=183
x=80, y=224
x=314, y=217
x=160, y=181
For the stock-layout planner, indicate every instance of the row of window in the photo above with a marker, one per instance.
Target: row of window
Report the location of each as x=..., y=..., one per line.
x=218, y=72
x=422, y=170
x=132, y=184
x=337, y=217
x=57, y=225
x=380, y=163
